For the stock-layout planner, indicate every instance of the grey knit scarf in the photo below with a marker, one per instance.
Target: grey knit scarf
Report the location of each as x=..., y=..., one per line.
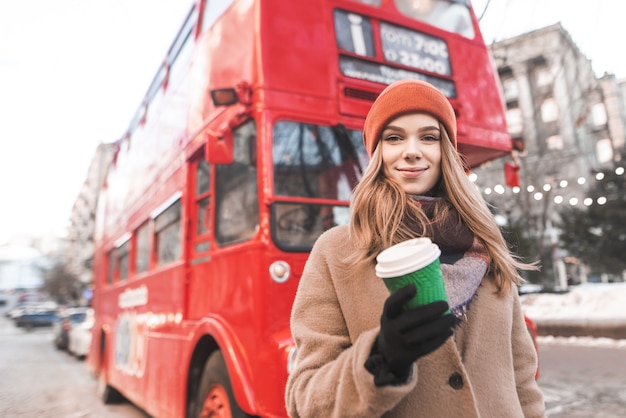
x=464, y=259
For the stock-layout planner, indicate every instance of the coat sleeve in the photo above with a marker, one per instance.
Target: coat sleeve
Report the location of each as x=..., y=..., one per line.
x=525, y=361
x=330, y=379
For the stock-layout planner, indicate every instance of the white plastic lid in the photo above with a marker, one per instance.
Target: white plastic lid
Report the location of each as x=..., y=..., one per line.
x=406, y=257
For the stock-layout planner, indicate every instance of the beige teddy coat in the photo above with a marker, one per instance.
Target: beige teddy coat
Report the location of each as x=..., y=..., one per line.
x=486, y=369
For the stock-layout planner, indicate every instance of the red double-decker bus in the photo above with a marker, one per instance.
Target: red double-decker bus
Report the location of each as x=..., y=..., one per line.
x=245, y=149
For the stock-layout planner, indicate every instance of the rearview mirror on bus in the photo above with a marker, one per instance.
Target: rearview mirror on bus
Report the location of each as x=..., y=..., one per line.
x=219, y=147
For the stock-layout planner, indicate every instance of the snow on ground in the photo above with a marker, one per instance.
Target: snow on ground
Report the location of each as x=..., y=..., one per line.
x=586, y=303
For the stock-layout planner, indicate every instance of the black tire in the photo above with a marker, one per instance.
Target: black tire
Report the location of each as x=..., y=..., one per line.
x=215, y=395
x=107, y=393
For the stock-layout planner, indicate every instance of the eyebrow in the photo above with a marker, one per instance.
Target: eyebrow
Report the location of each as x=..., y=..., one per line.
x=420, y=130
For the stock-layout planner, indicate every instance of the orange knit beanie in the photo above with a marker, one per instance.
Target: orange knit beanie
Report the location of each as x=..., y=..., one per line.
x=407, y=96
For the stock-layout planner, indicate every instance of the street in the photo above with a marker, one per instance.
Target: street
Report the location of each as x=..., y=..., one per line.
x=38, y=380
x=578, y=381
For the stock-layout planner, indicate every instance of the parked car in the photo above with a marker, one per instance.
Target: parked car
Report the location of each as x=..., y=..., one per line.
x=79, y=336
x=30, y=307
x=36, y=318
x=67, y=318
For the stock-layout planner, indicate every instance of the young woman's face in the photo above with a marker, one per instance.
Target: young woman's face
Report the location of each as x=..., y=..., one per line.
x=411, y=152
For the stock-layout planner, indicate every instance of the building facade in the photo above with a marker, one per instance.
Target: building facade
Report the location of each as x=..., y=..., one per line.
x=80, y=234
x=566, y=125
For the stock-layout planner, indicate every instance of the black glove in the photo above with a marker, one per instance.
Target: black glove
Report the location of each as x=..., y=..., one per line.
x=406, y=335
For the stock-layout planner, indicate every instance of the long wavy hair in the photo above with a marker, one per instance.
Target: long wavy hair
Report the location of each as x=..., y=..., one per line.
x=382, y=214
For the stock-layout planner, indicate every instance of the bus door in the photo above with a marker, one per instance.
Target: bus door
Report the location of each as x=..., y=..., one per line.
x=225, y=216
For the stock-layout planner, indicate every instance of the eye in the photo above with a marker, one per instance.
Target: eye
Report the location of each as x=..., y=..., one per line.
x=431, y=138
x=392, y=138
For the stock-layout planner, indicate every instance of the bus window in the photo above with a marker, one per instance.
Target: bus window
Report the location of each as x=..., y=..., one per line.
x=183, y=35
x=112, y=258
x=203, y=199
x=313, y=161
x=123, y=260
x=142, y=249
x=316, y=161
x=236, y=197
x=370, y=2
x=451, y=15
x=213, y=9
x=167, y=230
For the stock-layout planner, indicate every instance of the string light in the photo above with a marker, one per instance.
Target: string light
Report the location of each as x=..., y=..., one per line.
x=558, y=199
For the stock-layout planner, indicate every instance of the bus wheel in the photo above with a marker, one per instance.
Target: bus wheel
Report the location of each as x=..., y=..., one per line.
x=106, y=392
x=215, y=396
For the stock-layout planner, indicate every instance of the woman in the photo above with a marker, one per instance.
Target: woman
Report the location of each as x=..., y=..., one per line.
x=360, y=353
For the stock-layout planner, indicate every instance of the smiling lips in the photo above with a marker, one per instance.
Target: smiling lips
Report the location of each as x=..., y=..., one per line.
x=411, y=172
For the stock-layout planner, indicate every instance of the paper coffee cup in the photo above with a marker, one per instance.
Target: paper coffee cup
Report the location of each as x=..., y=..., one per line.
x=414, y=261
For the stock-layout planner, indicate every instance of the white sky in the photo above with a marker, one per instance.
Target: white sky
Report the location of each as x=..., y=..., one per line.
x=597, y=26
x=72, y=73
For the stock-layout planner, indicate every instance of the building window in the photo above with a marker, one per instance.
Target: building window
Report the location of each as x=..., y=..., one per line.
x=604, y=150
x=514, y=121
x=555, y=142
x=544, y=76
x=598, y=115
x=549, y=110
x=510, y=88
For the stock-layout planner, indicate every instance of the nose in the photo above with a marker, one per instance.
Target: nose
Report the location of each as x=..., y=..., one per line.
x=412, y=148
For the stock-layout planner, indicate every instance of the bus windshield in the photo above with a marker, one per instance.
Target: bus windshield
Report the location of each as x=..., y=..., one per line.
x=450, y=15
x=313, y=162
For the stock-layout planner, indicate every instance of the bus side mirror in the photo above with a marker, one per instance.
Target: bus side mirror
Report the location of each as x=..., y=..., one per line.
x=219, y=147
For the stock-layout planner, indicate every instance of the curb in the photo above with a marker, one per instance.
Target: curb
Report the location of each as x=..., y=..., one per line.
x=595, y=329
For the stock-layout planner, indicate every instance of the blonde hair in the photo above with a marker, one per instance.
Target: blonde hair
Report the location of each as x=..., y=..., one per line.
x=381, y=212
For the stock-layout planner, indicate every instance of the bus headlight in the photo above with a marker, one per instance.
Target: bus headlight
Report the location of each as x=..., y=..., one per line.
x=280, y=271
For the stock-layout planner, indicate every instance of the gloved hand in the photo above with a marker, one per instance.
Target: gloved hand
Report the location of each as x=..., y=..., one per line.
x=406, y=335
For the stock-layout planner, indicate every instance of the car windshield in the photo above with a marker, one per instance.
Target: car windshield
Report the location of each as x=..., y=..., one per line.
x=77, y=317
